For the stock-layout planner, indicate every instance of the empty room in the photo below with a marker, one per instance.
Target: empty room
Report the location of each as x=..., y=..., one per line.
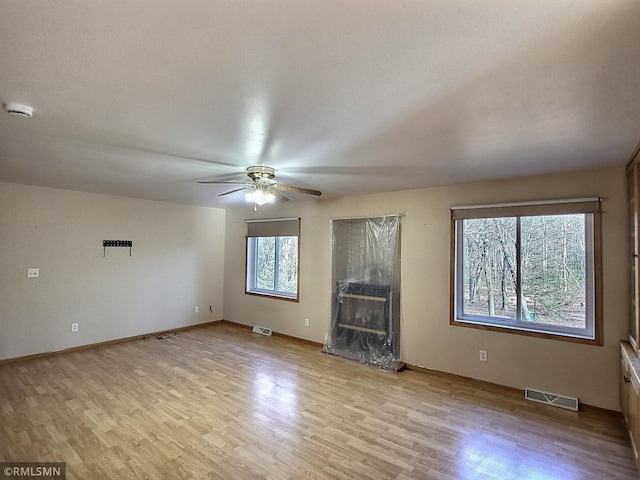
x=329, y=240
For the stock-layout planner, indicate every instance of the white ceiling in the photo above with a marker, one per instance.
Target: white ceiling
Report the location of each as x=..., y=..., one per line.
x=145, y=97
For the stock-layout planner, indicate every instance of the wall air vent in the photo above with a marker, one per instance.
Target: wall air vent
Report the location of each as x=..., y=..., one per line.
x=562, y=401
x=261, y=330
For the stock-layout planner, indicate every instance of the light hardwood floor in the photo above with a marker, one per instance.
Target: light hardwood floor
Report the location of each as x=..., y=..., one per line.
x=220, y=402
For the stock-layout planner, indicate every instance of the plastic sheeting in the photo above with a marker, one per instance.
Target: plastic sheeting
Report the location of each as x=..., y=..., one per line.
x=365, y=310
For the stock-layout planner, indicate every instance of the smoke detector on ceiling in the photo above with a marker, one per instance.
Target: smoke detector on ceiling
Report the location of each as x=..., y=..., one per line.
x=19, y=110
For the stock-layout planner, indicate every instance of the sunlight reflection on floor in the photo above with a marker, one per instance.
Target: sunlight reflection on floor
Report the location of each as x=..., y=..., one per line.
x=276, y=394
x=490, y=456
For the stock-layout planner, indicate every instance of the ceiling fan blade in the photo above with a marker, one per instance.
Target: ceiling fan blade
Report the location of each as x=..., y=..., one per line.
x=231, y=191
x=291, y=188
x=216, y=182
x=279, y=196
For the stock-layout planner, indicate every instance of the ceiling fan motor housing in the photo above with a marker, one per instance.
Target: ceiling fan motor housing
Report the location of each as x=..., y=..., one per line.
x=258, y=172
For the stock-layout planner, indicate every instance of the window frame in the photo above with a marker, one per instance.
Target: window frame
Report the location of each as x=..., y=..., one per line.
x=592, y=333
x=267, y=228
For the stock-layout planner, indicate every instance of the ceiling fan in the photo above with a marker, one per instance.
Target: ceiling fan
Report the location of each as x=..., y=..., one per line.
x=263, y=188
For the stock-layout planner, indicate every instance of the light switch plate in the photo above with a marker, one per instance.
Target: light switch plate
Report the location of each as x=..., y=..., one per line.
x=33, y=272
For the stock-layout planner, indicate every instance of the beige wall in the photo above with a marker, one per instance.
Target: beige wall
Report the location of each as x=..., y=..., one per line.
x=177, y=263
x=588, y=372
x=180, y=253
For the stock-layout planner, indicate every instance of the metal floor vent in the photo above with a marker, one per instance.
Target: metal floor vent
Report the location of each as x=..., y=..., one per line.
x=562, y=401
x=261, y=330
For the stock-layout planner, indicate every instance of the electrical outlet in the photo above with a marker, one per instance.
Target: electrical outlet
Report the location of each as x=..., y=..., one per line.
x=33, y=272
x=211, y=308
x=483, y=356
x=196, y=310
x=74, y=327
x=306, y=322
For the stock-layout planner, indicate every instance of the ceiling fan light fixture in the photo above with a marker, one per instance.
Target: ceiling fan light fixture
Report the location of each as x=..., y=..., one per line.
x=260, y=196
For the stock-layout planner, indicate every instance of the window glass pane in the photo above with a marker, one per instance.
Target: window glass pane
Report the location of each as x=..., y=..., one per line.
x=553, y=270
x=288, y=264
x=489, y=268
x=265, y=263
x=272, y=266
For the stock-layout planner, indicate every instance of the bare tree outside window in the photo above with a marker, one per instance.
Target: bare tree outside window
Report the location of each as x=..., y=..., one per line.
x=265, y=262
x=288, y=264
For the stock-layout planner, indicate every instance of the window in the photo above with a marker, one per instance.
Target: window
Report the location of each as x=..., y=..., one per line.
x=530, y=268
x=272, y=258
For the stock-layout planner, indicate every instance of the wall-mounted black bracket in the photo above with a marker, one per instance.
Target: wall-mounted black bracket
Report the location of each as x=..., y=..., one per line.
x=116, y=243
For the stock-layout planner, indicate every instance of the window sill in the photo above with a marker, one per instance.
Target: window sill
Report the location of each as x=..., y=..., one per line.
x=294, y=299
x=514, y=329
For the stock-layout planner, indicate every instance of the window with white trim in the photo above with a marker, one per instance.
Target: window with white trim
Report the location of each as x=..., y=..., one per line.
x=272, y=258
x=530, y=268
